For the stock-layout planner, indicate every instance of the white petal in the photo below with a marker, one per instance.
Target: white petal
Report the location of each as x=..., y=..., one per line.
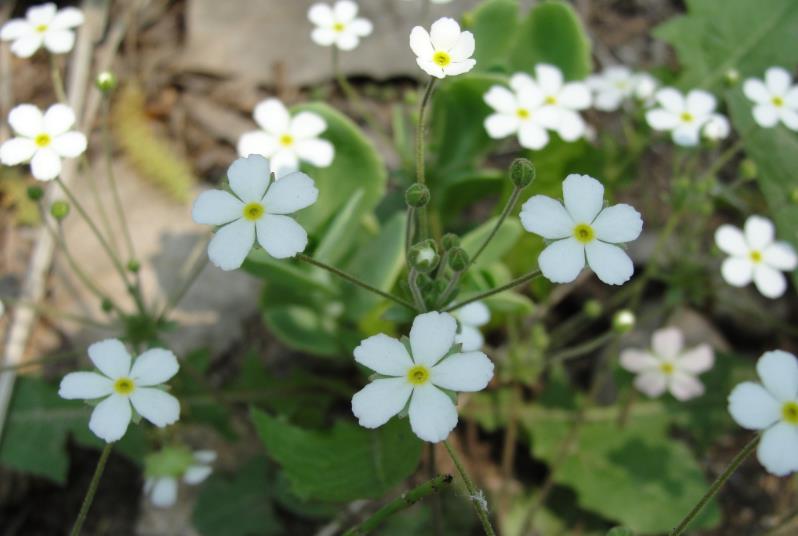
x=778, y=80
x=778, y=449
x=667, y=342
x=770, y=282
x=759, y=232
x=307, y=125
x=778, y=371
x=501, y=125
x=249, y=177
x=324, y=36
x=164, y=492
x=344, y=11
x=766, y=115
x=420, y=43
x=519, y=81
x=272, y=116
x=618, y=223
x=737, y=271
x=347, y=40
x=154, y=367
x=468, y=372
x=697, y=360
x=216, y=207
x=26, y=46
x=570, y=125
x=671, y=100
x=608, y=101
x=700, y=103
x=432, y=336
x=444, y=33
x=376, y=403
x=257, y=142
x=791, y=98
x=574, y=95
x=430, y=67
x=789, y=118
x=780, y=255
x=58, y=119
x=17, y=151
x=158, y=407
x=459, y=67
x=562, y=260
x=284, y=162
x=529, y=95
x=731, y=240
x=26, y=120
x=532, y=136
x=318, y=152
x=660, y=119
x=85, y=386
x=292, y=192
x=384, y=355
x=463, y=48
x=549, y=78
x=110, y=419
x=41, y=14
x=432, y=413
x=610, y=263
x=321, y=15
x=687, y=135
x=756, y=91
x=68, y=17
x=281, y=236
x=652, y=383
x=583, y=196
x=501, y=99
x=196, y=474
x=45, y=164
x=474, y=314
x=361, y=27
x=16, y=28
x=70, y=144
x=111, y=358
x=684, y=386
x=635, y=360
x=206, y=456
x=59, y=41
x=469, y=338
x=547, y=217
x=752, y=407
x=231, y=244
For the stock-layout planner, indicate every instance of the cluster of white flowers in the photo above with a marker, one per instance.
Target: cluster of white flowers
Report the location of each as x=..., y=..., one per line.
x=617, y=85
x=687, y=117
x=43, y=25
x=338, y=25
x=165, y=469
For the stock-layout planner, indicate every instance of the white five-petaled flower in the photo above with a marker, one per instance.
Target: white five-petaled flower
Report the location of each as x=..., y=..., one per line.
x=286, y=140
x=612, y=86
x=561, y=99
x=520, y=111
x=583, y=227
x=683, y=117
x=754, y=254
x=667, y=366
x=42, y=139
x=773, y=407
x=166, y=467
x=338, y=25
x=419, y=375
x=121, y=385
x=445, y=50
x=471, y=318
x=260, y=207
x=43, y=25
x=775, y=99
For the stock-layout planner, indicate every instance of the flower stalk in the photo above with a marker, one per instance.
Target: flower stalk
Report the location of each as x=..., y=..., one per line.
x=482, y=295
x=92, y=491
x=480, y=506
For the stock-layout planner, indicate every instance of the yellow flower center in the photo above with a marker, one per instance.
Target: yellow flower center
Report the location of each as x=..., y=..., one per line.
x=584, y=233
x=441, y=58
x=339, y=27
x=778, y=102
x=42, y=140
x=687, y=117
x=523, y=113
x=286, y=140
x=41, y=28
x=551, y=99
x=418, y=375
x=789, y=411
x=667, y=368
x=124, y=386
x=253, y=211
x=756, y=256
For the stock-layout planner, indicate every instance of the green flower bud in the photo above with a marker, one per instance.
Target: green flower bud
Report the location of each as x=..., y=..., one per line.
x=458, y=259
x=106, y=305
x=59, y=210
x=35, y=193
x=748, y=169
x=106, y=81
x=450, y=241
x=593, y=308
x=133, y=266
x=417, y=196
x=424, y=256
x=522, y=172
x=623, y=321
x=732, y=77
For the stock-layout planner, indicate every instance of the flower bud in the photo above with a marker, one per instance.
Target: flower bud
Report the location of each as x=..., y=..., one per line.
x=417, y=196
x=522, y=172
x=623, y=321
x=424, y=256
x=593, y=308
x=133, y=266
x=748, y=169
x=450, y=241
x=59, y=210
x=106, y=305
x=731, y=77
x=106, y=81
x=458, y=259
x=35, y=193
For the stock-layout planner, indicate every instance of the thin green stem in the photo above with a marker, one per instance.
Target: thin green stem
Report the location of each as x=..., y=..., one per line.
x=196, y=271
x=356, y=281
x=724, y=158
x=508, y=208
x=716, y=486
x=512, y=284
x=49, y=312
x=95, y=482
x=581, y=349
x=95, y=192
x=450, y=288
x=412, y=282
x=406, y=500
x=421, y=177
x=58, y=83
x=409, y=230
x=476, y=496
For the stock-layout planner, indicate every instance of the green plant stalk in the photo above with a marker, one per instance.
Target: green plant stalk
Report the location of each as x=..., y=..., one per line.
x=409, y=230
x=508, y=208
x=356, y=281
x=512, y=284
x=196, y=271
x=716, y=486
x=95, y=191
x=581, y=349
x=89, y=498
x=58, y=82
x=450, y=288
x=406, y=500
x=421, y=174
x=412, y=282
x=473, y=492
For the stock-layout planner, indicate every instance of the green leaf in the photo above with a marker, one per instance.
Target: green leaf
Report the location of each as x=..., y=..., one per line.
x=552, y=33
x=308, y=330
x=499, y=246
x=342, y=232
x=344, y=464
x=238, y=505
x=717, y=35
x=283, y=273
x=493, y=24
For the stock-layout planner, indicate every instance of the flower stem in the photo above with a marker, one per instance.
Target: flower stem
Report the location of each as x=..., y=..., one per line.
x=581, y=349
x=58, y=82
x=199, y=266
x=89, y=498
x=512, y=284
x=474, y=494
x=421, y=177
x=412, y=282
x=715, y=487
x=506, y=212
x=406, y=500
x=356, y=281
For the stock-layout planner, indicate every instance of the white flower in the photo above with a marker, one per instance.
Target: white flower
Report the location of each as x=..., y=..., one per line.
x=42, y=139
x=43, y=25
x=775, y=99
x=682, y=117
x=176, y=463
x=420, y=379
x=259, y=207
x=755, y=255
x=445, y=50
x=716, y=128
x=338, y=25
x=286, y=140
x=667, y=366
x=612, y=87
x=561, y=99
x=471, y=318
x=122, y=385
x=582, y=227
x=772, y=407
x=645, y=87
